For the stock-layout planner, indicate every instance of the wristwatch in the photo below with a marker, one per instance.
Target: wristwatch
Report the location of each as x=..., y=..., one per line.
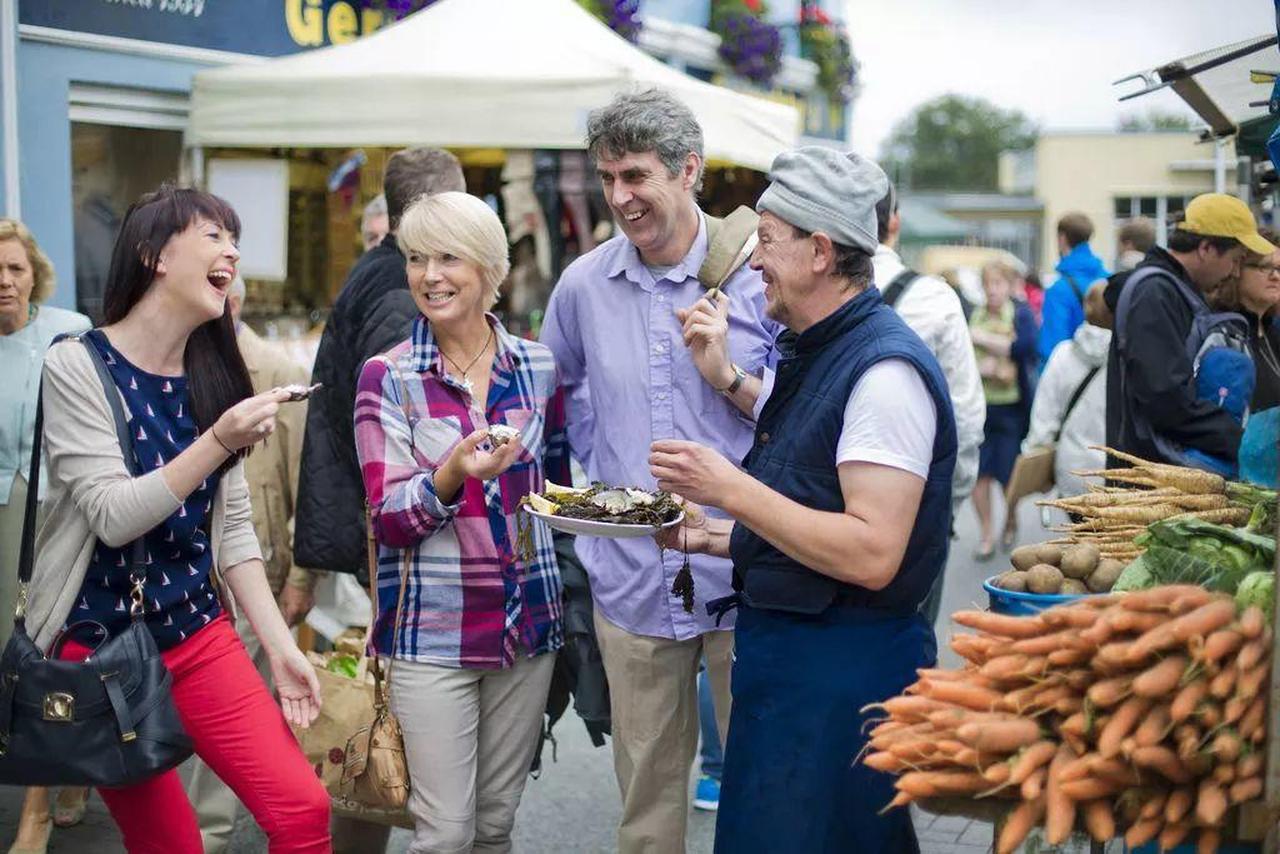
x=738, y=376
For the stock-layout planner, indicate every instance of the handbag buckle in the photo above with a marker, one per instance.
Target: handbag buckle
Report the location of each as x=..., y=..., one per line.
x=59, y=707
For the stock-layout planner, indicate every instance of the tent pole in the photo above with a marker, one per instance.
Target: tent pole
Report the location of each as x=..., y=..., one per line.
x=1220, y=165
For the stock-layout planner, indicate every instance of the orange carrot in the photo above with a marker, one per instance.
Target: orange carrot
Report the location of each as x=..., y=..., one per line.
x=1018, y=824
x=1187, y=700
x=928, y=784
x=1004, y=666
x=1246, y=790
x=1125, y=719
x=1000, y=736
x=1226, y=747
x=999, y=624
x=1250, y=682
x=1068, y=657
x=1109, y=692
x=1253, y=724
x=1162, y=760
x=1031, y=759
x=1220, y=644
x=961, y=694
x=1099, y=820
x=1034, y=784
x=1074, y=725
x=1250, y=654
x=1090, y=788
x=1178, y=805
x=1070, y=617
x=1154, y=727
x=1045, y=644
x=1252, y=622
x=1209, y=842
x=911, y=709
x=1234, y=709
x=1249, y=765
x=1211, y=804
x=1173, y=834
x=1060, y=810
x=1141, y=832
x=1161, y=679
x=1201, y=622
x=1210, y=714
x=1160, y=598
x=998, y=774
x=1222, y=684
x=1223, y=775
x=884, y=761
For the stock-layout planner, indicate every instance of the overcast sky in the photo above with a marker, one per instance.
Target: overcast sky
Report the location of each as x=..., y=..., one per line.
x=1055, y=60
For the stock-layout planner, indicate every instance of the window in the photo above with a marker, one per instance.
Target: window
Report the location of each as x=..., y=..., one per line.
x=1162, y=210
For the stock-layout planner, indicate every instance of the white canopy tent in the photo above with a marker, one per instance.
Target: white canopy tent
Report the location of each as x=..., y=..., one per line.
x=469, y=73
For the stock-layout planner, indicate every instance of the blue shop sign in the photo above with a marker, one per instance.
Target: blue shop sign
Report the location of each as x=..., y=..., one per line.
x=261, y=27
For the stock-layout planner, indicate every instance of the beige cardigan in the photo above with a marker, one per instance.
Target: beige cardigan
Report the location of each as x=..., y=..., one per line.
x=92, y=496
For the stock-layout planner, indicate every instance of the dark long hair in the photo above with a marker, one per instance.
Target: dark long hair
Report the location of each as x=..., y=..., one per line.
x=217, y=378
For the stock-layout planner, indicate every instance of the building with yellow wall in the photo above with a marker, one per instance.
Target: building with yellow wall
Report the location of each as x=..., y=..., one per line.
x=1110, y=177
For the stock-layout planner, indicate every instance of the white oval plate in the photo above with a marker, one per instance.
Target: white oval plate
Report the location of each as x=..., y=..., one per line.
x=592, y=528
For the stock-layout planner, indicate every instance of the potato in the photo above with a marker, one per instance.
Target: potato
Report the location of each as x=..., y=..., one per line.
x=1079, y=561
x=1012, y=580
x=1024, y=557
x=1074, y=586
x=1049, y=553
x=1105, y=576
x=1043, y=578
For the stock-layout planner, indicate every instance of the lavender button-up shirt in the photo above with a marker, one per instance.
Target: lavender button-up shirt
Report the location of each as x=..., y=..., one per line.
x=629, y=381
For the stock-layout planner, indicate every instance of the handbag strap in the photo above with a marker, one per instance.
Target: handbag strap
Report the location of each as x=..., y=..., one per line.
x=1075, y=398
x=371, y=553
x=26, y=554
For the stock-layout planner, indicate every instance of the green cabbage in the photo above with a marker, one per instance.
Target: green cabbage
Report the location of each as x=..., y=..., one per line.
x=1258, y=588
x=1136, y=576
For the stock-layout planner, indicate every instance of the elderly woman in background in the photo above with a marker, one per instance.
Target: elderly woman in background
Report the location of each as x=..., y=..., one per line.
x=472, y=656
x=1255, y=293
x=27, y=327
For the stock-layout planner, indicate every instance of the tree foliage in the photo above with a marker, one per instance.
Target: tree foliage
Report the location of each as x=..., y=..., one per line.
x=1153, y=120
x=953, y=142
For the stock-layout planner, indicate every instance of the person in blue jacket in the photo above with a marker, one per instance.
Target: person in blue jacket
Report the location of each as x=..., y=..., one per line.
x=1078, y=268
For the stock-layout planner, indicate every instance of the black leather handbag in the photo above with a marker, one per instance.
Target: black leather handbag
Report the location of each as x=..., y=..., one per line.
x=107, y=721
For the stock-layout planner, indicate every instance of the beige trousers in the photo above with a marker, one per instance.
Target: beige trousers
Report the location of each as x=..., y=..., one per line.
x=469, y=738
x=216, y=805
x=653, y=694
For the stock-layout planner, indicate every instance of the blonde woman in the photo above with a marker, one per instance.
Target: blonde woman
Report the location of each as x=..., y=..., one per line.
x=27, y=327
x=472, y=655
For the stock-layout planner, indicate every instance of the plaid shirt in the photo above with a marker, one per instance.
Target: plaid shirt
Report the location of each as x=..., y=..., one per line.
x=471, y=601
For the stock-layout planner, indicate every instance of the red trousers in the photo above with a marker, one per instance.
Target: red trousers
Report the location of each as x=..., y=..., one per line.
x=238, y=729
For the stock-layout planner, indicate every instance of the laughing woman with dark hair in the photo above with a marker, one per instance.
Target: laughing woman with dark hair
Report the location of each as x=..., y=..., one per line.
x=170, y=349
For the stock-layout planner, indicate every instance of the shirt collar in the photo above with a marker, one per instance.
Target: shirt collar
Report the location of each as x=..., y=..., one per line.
x=626, y=260
x=425, y=356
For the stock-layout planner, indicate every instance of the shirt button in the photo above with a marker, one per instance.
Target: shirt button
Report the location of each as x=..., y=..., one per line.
x=764, y=438
x=660, y=396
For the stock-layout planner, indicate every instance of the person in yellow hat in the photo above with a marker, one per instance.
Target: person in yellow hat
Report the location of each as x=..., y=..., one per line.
x=1162, y=322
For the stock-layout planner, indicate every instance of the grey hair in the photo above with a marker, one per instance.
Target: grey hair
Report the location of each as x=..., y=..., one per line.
x=377, y=207
x=236, y=288
x=649, y=120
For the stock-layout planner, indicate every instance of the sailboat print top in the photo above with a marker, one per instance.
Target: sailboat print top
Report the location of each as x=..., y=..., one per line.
x=180, y=599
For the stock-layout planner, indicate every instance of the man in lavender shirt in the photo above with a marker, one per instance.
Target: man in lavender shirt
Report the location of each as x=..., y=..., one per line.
x=612, y=325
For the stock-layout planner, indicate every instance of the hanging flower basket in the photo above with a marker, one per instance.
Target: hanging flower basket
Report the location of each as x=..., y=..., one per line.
x=749, y=45
x=827, y=44
x=620, y=15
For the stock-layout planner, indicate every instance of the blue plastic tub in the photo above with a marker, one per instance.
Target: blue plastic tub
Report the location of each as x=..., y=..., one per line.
x=1225, y=848
x=1024, y=604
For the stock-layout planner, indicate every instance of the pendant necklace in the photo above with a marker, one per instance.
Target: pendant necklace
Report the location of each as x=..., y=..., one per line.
x=466, y=381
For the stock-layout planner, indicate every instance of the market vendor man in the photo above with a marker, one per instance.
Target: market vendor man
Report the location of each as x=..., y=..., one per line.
x=842, y=518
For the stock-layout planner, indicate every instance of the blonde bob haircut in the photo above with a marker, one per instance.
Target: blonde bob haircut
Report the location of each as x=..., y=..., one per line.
x=461, y=225
x=41, y=266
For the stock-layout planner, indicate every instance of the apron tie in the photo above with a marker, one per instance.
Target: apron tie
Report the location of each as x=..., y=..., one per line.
x=718, y=608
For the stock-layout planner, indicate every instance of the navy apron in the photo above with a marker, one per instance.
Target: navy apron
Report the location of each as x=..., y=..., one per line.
x=790, y=783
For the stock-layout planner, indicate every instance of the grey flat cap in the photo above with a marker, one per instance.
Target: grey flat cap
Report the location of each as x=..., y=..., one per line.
x=820, y=189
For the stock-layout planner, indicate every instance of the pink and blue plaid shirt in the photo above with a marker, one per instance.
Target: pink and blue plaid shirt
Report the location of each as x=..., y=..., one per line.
x=471, y=601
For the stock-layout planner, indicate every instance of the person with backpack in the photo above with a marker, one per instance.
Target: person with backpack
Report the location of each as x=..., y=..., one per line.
x=933, y=310
x=1078, y=268
x=1177, y=387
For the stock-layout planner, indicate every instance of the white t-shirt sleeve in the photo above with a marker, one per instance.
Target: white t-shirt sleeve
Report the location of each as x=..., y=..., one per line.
x=890, y=419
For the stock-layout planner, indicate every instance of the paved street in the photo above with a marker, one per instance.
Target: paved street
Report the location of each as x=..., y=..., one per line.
x=574, y=806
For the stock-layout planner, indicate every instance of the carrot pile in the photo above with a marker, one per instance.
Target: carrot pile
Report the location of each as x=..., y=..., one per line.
x=1142, y=711
x=1111, y=516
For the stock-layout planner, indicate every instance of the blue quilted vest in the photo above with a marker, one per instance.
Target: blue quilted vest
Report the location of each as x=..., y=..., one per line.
x=795, y=449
